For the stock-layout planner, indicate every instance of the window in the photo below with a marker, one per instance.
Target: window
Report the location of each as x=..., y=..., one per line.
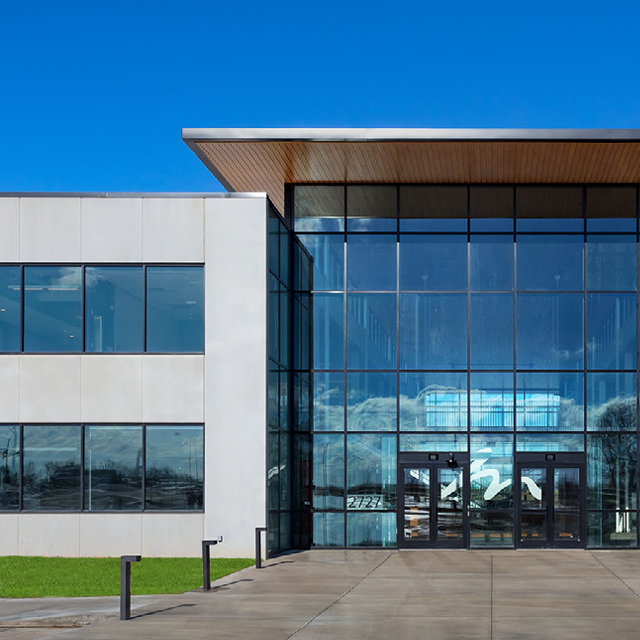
x=549, y=263
x=371, y=331
x=491, y=263
x=371, y=401
x=9, y=309
x=433, y=263
x=371, y=262
x=9, y=468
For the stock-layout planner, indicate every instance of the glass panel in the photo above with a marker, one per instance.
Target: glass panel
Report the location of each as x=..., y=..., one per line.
x=611, y=331
x=114, y=309
x=113, y=468
x=611, y=209
x=372, y=401
x=442, y=442
x=53, y=309
x=433, y=401
x=328, y=401
x=490, y=529
x=611, y=402
x=328, y=471
x=550, y=402
x=285, y=531
x=273, y=532
x=433, y=263
x=557, y=442
x=273, y=412
x=432, y=208
x=416, y=504
x=319, y=208
x=51, y=479
x=491, y=331
x=371, y=529
x=273, y=328
x=328, y=529
x=567, y=488
x=273, y=470
x=273, y=243
x=285, y=252
x=549, y=209
x=567, y=526
x=174, y=468
x=612, y=471
x=9, y=309
x=450, y=503
x=491, y=263
x=433, y=331
x=371, y=471
x=491, y=398
x=326, y=255
x=491, y=208
x=550, y=331
x=371, y=331
x=175, y=309
x=613, y=529
x=371, y=208
x=550, y=263
x=371, y=262
x=491, y=471
x=301, y=402
x=328, y=331
x=611, y=263
x=533, y=488
x=284, y=468
x=533, y=526
x=9, y=468
x=302, y=334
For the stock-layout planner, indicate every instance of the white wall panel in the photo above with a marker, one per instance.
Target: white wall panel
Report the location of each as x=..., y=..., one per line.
x=9, y=388
x=110, y=534
x=50, y=230
x=173, y=229
x=172, y=535
x=9, y=534
x=55, y=534
x=9, y=229
x=111, y=229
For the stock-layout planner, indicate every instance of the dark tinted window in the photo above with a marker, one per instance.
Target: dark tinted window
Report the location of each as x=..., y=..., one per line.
x=433, y=208
x=9, y=309
x=319, y=208
x=371, y=208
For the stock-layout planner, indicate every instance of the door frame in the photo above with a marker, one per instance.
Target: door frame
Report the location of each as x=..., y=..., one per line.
x=432, y=460
x=550, y=461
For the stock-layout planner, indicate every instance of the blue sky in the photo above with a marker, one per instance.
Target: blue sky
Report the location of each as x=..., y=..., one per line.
x=94, y=93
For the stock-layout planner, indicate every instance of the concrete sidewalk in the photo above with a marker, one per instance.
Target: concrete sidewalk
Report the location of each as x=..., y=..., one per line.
x=405, y=595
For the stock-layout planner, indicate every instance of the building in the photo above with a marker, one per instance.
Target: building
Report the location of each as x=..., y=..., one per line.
x=377, y=338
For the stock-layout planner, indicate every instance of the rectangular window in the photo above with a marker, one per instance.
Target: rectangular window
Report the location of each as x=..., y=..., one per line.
x=433, y=263
x=10, y=309
x=114, y=309
x=611, y=209
x=371, y=401
x=322, y=269
x=372, y=208
x=611, y=263
x=328, y=471
x=371, y=262
x=53, y=309
x=492, y=471
x=319, y=208
x=433, y=208
x=327, y=313
x=371, y=471
x=491, y=263
x=175, y=309
x=328, y=529
x=9, y=468
x=328, y=401
x=551, y=209
x=612, y=402
x=491, y=398
x=491, y=331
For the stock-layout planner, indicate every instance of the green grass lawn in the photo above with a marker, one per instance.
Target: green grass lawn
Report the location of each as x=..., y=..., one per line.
x=36, y=577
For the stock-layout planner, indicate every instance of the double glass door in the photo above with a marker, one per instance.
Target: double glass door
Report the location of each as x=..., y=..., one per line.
x=433, y=505
x=551, y=496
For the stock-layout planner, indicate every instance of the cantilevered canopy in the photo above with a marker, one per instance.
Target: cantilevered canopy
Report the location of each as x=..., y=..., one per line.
x=266, y=159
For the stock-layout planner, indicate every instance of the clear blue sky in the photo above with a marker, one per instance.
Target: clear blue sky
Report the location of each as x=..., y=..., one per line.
x=94, y=93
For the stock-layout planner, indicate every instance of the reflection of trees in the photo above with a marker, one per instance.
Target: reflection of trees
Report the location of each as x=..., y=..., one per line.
x=618, y=414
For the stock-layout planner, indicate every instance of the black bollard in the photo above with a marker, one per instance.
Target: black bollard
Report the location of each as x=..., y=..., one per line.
x=206, y=562
x=259, y=530
x=125, y=585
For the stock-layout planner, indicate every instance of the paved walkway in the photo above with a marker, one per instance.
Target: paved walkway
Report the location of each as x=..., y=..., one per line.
x=404, y=595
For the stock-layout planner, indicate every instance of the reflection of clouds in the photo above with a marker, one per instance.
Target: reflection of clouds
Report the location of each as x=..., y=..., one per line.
x=372, y=414
x=547, y=410
x=615, y=414
x=434, y=406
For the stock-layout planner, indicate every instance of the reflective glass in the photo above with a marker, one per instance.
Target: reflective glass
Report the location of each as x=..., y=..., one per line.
x=371, y=529
x=416, y=507
x=552, y=209
x=549, y=331
x=328, y=530
x=284, y=470
x=550, y=402
x=612, y=402
x=491, y=397
x=491, y=529
x=174, y=468
x=371, y=401
x=53, y=309
x=491, y=471
x=491, y=331
x=612, y=473
x=175, y=309
x=113, y=468
x=9, y=309
x=328, y=330
x=433, y=401
x=491, y=208
x=449, y=504
x=442, y=442
x=613, y=529
x=326, y=255
x=9, y=467
x=273, y=470
x=273, y=329
x=549, y=263
x=302, y=332
x=371, y=471
x=433, y=331
x=372, y=208
x=319, y=208
x=51, y=476
x=371, y=331
x=611, y=331
x=301, y=402
x=371, y=262
x=433, y=208
x=433, y=263
x=611, y=263
x=328, y=471
x=328, y=401
x=491, y=263
x=273, y=243
x=611, y=208
x=114, y=309
x=558, y=442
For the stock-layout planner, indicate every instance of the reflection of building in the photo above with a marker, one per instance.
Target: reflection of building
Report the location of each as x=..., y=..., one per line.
x=448, y=321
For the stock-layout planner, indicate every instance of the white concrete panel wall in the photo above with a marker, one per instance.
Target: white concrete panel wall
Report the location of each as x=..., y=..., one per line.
x=235, y=366
x=10, y=229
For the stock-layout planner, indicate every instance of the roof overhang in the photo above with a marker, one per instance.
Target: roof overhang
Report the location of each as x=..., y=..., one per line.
x=265, y=159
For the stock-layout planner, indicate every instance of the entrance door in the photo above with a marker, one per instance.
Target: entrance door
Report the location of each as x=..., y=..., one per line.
x=433, y=504
x=551, y=496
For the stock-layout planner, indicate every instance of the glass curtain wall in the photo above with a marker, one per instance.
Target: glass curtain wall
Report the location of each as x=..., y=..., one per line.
x=490, y=320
